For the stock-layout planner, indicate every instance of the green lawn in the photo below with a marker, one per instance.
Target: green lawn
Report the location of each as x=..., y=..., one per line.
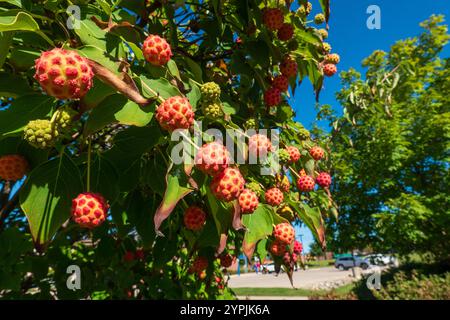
x=320, y=264
x=289, y=292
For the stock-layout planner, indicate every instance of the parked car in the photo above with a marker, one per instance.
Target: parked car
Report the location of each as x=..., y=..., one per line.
x=269, y=268
x=345, y=263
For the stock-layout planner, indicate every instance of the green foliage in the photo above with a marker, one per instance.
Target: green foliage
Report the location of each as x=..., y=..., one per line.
x=390, y=149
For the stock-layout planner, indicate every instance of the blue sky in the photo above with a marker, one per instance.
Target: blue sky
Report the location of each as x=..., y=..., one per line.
x=353, y=41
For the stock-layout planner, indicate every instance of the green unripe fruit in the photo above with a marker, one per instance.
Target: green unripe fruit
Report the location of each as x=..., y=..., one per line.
x=283, y=156
x=250, y=124
x=304, y=11
x=323, y=33
x=303, y=134
x=41, y=133
x=210, y=91
x=326, y=47
x=212, y=110
x=319, y=18
x=63, y=119
x=255, y=187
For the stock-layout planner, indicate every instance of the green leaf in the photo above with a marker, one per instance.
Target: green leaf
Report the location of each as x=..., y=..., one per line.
x=150, y=88
x=117, y=108
x=22, y=58
x=258, y=224
x=22, y=110
x=104, y=178
x=5, y=42
x=177, y=188
x=16, y=20
x=46, y=197
x=19, y=88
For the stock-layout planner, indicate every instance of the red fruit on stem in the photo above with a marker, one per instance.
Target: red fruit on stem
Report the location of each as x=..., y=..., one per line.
x=323, y=180
x=248, y=201
x=175, y=113
x=329, y=69
x=89, y=210
x=277, y=248
x=305, y=183
x=289, y=67
x=212, y=158
x=316, y=153
x=226, y=260
x=274, y=196
x=259, y=145
x=284, y=232
x=194, y=218
x=272, y=97
x=281, y=82
x=13, y=167
x=294, y=153
x=228, y=184
x=156, y=50
x=286, y=32
x=273, y=18
x=64, y=74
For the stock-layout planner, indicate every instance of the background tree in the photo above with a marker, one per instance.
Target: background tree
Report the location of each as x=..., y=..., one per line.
x=391, y=149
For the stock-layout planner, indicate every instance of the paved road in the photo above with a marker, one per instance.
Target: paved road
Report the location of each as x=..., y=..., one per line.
x=302, y=279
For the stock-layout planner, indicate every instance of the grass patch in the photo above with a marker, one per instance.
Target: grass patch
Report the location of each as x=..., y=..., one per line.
x=320, y=263
x=290, y=292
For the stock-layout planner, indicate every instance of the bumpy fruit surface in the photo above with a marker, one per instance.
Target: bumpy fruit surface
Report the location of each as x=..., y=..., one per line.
x=40, y=133
x=212, y=110
x=200, y=264
x=329, y=69
x=333, y=58
x=286, y=32
x=282, y=182
x=89, y=210
x=274, y=196
x=212, y=158
x=156, y=50
x=248, y=201
x=277, y=248
x=316, y=153
x=319, y=18
x=273, y=18
x=175, y=113
x=228, y=184
x=326, y=47
x=323, y=180
x=250, y=124
x=305, y=183
x=283, y=156
x=259, y=145
x=13, y=167
x=294, y=153
x=323, y=33
x=194, y=218
x=63, y=119
x=289, y=67
x=63, y=74
x=272, y=97
x=288, y=258
x=302, y=173
x=256, y=187
x=281, y=82
x=226, y=260
x=303, y=134
x=305, y=10
x=284, y=232
x=298, y=247
x=210, y=91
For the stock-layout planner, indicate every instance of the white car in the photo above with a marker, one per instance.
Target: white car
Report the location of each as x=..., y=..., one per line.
x=269, y=268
